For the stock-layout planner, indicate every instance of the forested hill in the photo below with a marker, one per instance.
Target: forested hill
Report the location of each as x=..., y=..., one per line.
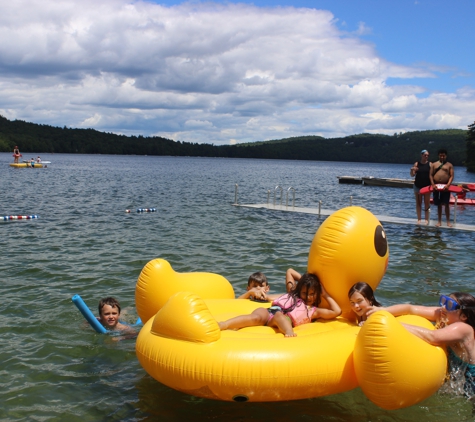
x=399, y=148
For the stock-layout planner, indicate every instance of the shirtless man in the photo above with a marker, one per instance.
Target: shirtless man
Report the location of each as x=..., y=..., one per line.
x=442, y=172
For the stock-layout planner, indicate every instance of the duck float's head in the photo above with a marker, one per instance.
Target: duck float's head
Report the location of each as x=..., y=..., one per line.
x=350, y=246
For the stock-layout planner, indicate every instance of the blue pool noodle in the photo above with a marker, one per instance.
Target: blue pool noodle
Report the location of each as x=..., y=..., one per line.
x=90, y=318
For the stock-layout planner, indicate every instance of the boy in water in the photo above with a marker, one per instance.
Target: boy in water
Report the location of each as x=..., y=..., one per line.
x=109, y=313
x=258, y=287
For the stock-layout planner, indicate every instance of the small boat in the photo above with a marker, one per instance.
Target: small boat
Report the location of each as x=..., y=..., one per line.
x=393, y=183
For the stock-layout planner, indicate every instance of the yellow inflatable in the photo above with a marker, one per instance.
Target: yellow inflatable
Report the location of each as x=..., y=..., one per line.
x=182, y=347
x=396, y=369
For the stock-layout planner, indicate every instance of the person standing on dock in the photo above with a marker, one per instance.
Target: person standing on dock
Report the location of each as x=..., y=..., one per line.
x=421, y=169
x=442, y=172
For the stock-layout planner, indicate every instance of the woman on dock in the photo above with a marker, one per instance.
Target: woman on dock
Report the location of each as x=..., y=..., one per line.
x=421, y=169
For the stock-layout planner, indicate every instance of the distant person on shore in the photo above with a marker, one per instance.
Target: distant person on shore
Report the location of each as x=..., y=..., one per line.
x=421, y=170
x=16, y=155
x=442, y=172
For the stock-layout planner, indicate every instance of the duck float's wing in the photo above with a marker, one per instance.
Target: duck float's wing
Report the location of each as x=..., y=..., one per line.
x=440, y=186
x=396, y=369
x=350, y=246
x=158, y=282
x=183, y=348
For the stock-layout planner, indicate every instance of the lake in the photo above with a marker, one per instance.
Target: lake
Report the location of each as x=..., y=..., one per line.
x=54, y=367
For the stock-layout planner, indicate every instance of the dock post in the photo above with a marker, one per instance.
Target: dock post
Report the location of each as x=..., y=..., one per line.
x=455, y=210
x=236, y=194
x=319, y=207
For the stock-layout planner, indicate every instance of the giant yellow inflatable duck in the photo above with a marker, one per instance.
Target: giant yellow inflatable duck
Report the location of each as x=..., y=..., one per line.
x=182, y=347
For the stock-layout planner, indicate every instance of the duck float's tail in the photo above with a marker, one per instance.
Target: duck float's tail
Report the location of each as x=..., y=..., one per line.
x=158, y=282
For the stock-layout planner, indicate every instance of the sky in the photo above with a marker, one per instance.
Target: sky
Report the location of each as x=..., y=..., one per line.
x=227, y=72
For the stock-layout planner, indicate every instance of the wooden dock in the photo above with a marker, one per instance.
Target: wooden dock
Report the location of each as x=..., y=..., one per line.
x=320, y=212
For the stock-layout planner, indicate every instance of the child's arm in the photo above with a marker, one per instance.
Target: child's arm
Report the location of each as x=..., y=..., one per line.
x=334, y=310
x=291, y=278
x=428, y=312
x=255, y=292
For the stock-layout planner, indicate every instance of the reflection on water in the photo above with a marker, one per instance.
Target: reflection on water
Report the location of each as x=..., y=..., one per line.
x=84, y=243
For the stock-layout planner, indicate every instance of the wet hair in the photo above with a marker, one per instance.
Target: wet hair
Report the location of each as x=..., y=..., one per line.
x=258, y=278
x=442, y=151
x=309, y=281
x=111, y=301
x=365, y=290
x=467, y=301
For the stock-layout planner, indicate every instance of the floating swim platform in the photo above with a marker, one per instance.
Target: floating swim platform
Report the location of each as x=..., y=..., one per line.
x=29, y=165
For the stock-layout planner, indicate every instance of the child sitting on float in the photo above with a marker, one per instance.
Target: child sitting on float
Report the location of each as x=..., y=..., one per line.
x=362, y=299
x=299, y=306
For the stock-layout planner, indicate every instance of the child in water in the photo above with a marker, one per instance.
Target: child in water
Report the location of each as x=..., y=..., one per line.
x=299, y=306
x=362, y=299
x=109, y=313
x=258, y=288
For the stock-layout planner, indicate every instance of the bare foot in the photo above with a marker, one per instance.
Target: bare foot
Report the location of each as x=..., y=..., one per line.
x=418, y=222
x=426, y=222
x=290, y=334
x=438, y=224
x=223, y=325
x=448, y=224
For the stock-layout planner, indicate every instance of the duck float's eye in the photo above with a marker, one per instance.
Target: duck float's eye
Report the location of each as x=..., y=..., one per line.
x=380, y=241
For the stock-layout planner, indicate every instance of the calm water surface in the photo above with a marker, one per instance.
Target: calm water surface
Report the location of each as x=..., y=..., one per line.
x=53, y=367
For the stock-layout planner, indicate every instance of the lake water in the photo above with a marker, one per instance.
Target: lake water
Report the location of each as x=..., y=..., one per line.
x=53, y=367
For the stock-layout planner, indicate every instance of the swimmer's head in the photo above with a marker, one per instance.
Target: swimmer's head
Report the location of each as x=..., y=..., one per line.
x=365, y=290
x=109, y=312
x=257, y=279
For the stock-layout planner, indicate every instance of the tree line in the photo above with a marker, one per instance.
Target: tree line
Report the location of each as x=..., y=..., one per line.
x=400, y=148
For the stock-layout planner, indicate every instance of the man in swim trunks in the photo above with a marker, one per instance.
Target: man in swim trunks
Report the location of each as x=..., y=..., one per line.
x=442, y=172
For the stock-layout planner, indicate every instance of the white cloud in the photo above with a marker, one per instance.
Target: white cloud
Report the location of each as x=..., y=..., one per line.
x=208, y=73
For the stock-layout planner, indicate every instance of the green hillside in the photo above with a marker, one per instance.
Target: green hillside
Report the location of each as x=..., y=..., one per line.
x=398, y=148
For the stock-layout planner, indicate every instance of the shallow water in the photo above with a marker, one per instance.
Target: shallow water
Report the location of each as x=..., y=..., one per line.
x=54, y=367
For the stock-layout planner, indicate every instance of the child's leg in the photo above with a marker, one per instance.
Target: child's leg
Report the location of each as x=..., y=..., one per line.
x=258, y=317
x=283, y=323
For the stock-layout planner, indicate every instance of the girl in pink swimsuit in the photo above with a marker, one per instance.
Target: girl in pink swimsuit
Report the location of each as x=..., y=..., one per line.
x=299, y=306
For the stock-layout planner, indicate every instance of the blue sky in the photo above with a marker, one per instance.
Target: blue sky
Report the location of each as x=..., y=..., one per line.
x=229, y=72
